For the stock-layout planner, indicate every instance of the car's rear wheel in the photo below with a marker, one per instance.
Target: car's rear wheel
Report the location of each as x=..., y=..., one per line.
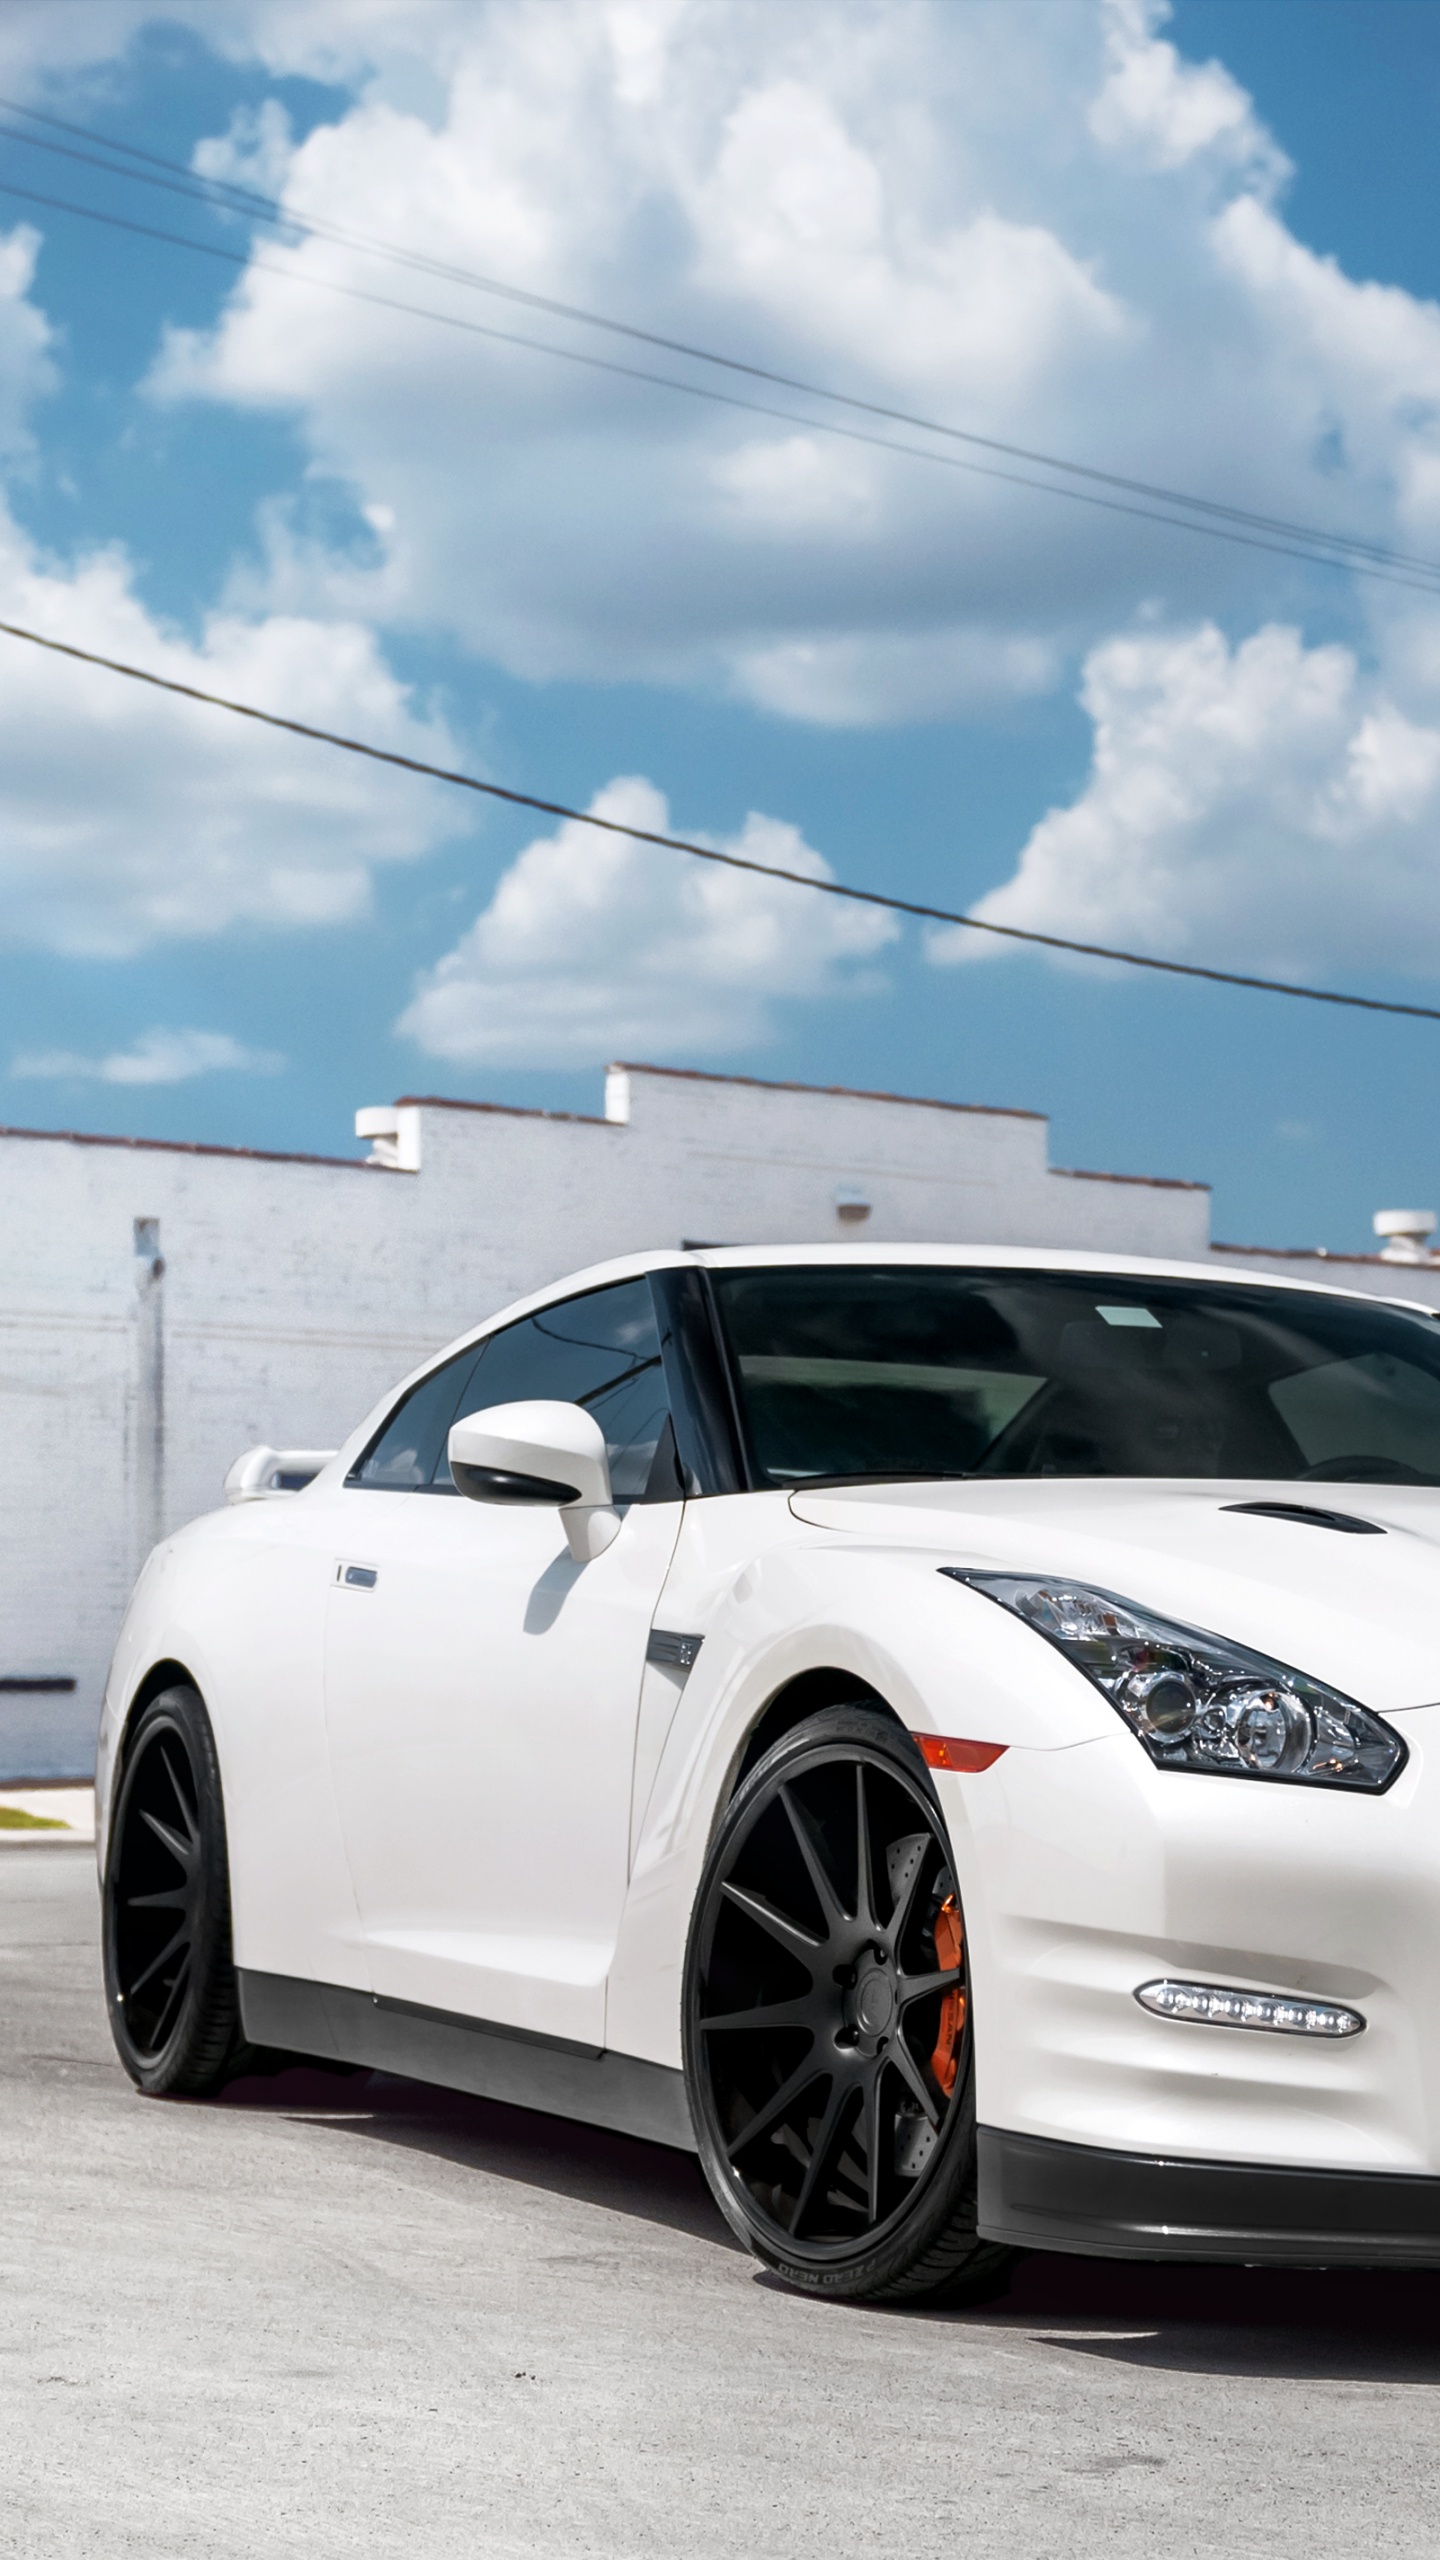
x=828, y=2037
x=169, y=1977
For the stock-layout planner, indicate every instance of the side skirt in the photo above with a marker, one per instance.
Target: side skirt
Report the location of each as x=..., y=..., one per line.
x=522, y=2070
x=1037, y=2194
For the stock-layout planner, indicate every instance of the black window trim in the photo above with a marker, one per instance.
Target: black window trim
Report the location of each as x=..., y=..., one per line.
x=704, y=1408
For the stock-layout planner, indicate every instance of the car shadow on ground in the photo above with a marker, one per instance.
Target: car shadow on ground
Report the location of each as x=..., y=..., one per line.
x=549, y=2153
x=1299, y=2324
x=1267, y=2322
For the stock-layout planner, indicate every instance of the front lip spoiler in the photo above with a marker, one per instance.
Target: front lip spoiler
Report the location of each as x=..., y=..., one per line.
x=1039, y=2194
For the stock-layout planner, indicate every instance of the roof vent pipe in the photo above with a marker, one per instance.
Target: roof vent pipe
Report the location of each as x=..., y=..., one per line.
x=1407, y=1234
x=393, y=1130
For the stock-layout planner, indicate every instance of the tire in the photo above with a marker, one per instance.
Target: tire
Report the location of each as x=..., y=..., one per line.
x=829, y=2049
x=169, y=1977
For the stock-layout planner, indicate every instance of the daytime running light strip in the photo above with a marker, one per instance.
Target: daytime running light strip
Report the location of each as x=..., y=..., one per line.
x=1211, y=2004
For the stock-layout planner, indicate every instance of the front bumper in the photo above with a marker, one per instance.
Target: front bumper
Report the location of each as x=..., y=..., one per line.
x=1086, y=1872
x=1119, y=2204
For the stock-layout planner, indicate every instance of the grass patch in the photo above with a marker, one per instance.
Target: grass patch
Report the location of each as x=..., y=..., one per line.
x=12, y=1819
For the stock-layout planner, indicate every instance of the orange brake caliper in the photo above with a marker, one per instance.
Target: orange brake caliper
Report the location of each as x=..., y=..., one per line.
x=949, y=1947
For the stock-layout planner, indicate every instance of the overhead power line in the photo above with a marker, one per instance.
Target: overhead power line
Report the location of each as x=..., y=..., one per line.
x=1426, y=584
x=711, y=853
x=1284, y=535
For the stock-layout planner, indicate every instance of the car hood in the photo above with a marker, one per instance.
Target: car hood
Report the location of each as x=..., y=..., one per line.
x=1362, y=1612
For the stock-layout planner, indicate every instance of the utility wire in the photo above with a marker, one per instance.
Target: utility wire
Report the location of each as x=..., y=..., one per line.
x=222, y=195
x=1427, y=584
x=711, y=853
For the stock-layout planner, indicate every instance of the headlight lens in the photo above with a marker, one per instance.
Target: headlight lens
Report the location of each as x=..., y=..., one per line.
x=1197, y=1701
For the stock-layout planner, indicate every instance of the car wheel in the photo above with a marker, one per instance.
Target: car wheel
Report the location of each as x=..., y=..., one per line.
x=828, y=2037
x=169, y=1978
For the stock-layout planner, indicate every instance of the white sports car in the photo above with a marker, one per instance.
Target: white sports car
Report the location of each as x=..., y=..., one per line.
x=943, y=1734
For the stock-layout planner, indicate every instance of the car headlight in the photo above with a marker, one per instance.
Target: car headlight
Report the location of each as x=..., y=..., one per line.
x=1197, y=1701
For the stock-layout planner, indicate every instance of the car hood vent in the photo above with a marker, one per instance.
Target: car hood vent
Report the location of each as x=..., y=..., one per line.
x=1309, y=1516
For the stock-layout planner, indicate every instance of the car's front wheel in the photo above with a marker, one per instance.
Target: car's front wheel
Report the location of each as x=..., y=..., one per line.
x=828, y=2035
x=169, y=1977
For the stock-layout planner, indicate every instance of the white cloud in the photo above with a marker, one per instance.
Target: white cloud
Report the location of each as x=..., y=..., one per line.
x=593, y=946
x=255, y=152
x=1168, y=110
x=909, y=203
x=1263, y=807
x=158, y=1057
x=1037, y=220
x=127, y=817
x=27, y=367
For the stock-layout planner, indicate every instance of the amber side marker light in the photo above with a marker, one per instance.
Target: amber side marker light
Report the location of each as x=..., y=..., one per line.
x=943, y=1751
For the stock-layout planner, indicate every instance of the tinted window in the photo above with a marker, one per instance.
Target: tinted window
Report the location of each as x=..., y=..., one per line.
x=916, y=1372
x=411, y=1448
x=601, y=1351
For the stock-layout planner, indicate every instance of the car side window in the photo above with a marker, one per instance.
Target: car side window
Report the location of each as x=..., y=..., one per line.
x=601, y=1351
x=405, y=1456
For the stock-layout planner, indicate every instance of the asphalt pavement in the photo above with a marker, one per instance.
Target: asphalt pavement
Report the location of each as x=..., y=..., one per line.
x=353, y=2317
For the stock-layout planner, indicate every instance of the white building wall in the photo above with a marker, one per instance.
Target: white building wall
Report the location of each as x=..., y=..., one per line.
x=1412, y=1283
x=294, y=1290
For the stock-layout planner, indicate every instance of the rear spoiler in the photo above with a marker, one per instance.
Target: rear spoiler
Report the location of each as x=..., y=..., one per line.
x=263, y=1473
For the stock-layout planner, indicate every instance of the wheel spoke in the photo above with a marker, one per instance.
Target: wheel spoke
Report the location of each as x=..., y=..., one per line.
x=801, y=2078
x=831, y=1905
x=917, y=1843
x=180, y=1939
x=899, y=2053
x=787, y=1933
x=821, y=2152
x=187, y=1810
x=870, y=2127
x=864, y=1877
x=181, y=1849
x=176, y=1901
x=919, y=1986
x=769, y=2013
x=176, y=1993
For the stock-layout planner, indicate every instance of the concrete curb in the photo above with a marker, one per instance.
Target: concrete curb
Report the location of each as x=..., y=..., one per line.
x=70, y=1806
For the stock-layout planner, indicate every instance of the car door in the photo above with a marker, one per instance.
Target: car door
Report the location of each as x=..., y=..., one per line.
x=482, y=1687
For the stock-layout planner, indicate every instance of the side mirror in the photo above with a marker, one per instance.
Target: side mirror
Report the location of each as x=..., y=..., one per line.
x=540, y=1453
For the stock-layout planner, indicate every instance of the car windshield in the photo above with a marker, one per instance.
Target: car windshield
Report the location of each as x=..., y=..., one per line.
x=903, y=1370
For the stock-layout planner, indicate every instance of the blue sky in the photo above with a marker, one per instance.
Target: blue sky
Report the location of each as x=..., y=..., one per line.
x=1189, y=249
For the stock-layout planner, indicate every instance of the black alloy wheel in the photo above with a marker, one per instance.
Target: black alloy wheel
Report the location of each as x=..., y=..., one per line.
x=828, y=2037
x=169, y=1977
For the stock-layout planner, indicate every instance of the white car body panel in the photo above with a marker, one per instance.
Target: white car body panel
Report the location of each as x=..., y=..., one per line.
x=519, y=1671
x=1362, y=1618
x=524, y=1846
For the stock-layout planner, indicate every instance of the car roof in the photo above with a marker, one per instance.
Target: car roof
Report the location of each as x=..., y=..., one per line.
x=955, y=1257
